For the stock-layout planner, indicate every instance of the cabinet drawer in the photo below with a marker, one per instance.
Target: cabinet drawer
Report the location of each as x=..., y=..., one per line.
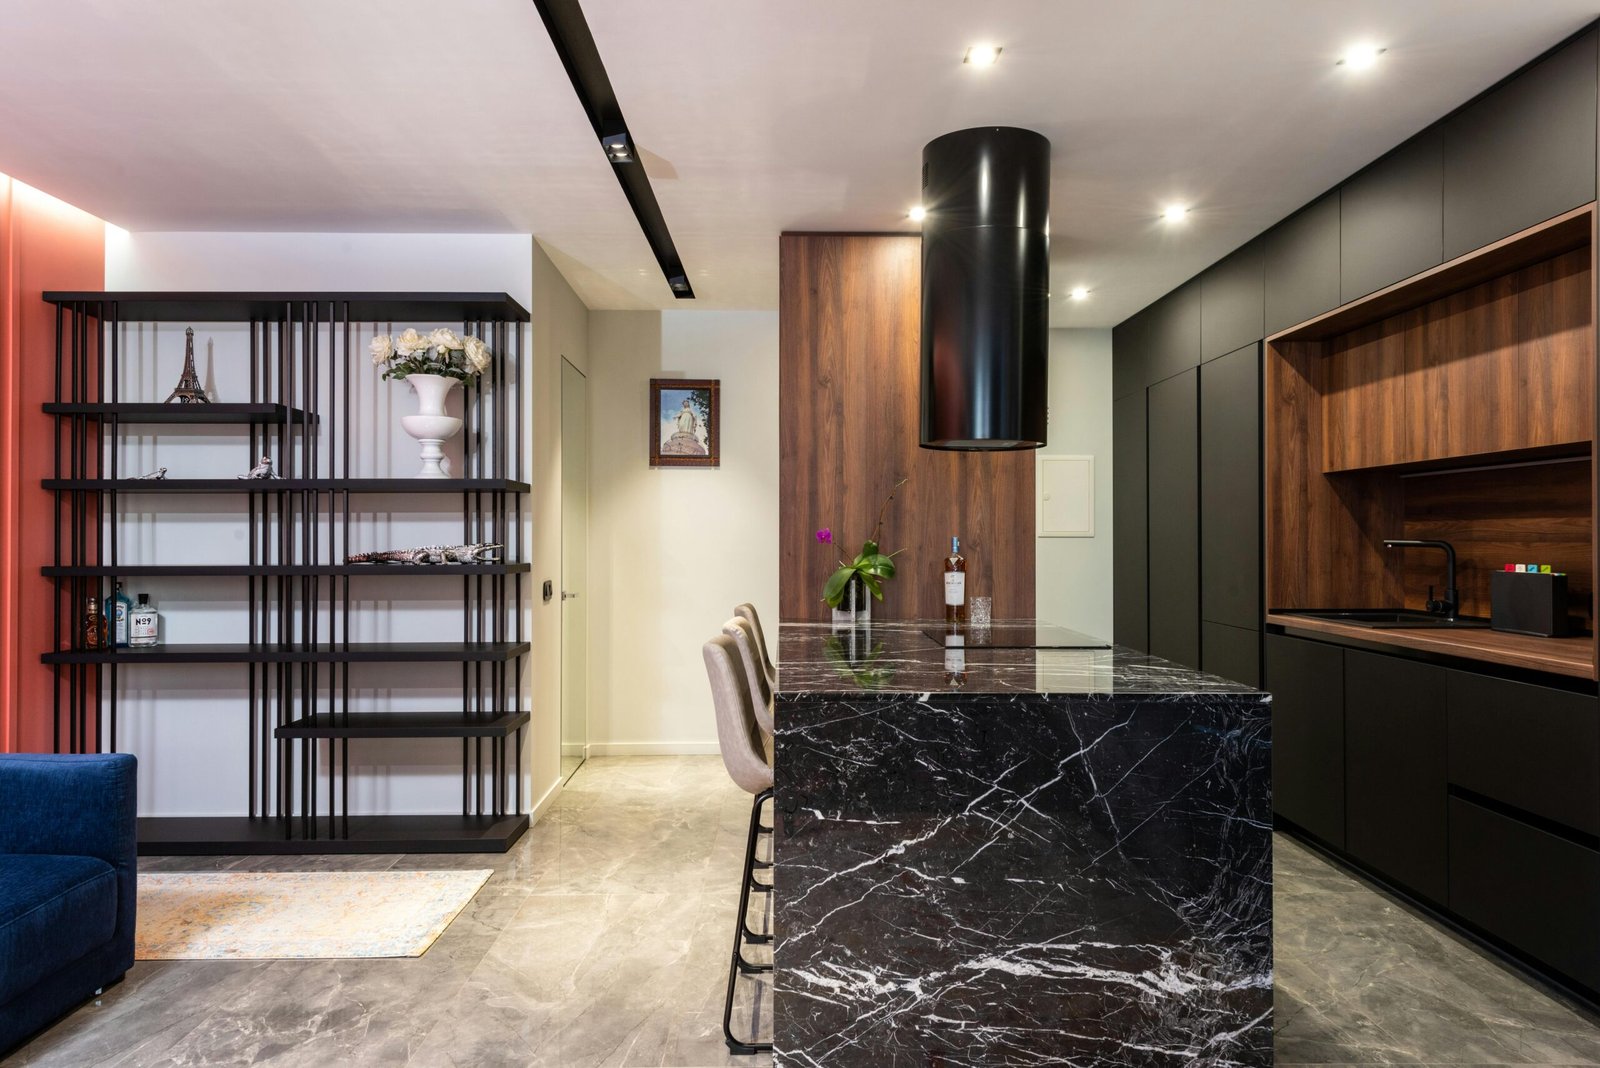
x=1528, y=887
x=1530, y=747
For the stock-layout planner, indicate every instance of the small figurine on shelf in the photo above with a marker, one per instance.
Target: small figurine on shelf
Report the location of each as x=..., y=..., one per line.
x=477, y=553
x=189, y=389
x=94, y=625
x=158, y=475
x=260, y=470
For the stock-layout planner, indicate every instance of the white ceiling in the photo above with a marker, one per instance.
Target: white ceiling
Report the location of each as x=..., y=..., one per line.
x=756, y=116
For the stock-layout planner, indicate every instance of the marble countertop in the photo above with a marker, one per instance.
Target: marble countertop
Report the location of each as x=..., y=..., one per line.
x=899, y=658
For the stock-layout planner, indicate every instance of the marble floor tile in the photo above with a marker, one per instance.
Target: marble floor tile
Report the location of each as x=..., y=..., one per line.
x=602, y=941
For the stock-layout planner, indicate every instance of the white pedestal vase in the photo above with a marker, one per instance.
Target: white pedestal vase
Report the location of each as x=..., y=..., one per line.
x=431, y=426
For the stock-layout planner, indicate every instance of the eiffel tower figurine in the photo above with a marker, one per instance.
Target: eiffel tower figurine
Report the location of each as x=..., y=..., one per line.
x=189, y=390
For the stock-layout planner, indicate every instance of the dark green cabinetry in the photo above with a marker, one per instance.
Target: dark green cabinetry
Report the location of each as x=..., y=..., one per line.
x=1230, y=489
x=1522, y=153
x=1173, y=338
x=1391, y=217
x=1130, y=355
x=1306, y=680
x=1394, y=727
x=1173, y=434
x=1233, y=302
x=1302, y=264
x=1130, y=607
x=1232, y=652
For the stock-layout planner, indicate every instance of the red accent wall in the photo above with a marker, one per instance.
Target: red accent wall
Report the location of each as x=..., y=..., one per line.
x=44, y=244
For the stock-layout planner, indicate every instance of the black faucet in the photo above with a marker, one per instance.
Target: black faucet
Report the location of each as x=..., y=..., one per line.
x=1450, y=603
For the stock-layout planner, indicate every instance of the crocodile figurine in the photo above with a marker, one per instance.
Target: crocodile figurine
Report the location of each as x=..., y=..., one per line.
x=479, y=553
x=158, y=475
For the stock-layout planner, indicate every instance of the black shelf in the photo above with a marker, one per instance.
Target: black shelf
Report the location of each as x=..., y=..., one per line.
x=189, y=414
x=262, y=836
x=208, y=307
x=287, y=485
x=354, y=653
x=130, y=571
x=405, y=725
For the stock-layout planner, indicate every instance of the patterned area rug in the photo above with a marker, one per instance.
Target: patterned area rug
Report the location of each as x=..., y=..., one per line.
x=276, y=915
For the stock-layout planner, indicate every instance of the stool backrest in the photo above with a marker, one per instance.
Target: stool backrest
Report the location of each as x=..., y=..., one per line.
x=738, y=734
x=744, y=639
x=748, y=611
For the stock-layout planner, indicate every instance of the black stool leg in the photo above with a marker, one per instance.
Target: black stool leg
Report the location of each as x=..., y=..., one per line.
x=740, y=932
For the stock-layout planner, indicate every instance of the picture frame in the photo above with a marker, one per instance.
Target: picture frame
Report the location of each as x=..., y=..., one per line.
x=684, y=424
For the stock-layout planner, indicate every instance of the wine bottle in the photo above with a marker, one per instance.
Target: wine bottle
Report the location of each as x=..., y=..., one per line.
x=117, y=608
x=144, y=625
x=94, y=625
x=955, y=584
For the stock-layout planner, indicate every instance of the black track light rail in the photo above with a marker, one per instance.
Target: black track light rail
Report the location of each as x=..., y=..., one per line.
x=569, y=32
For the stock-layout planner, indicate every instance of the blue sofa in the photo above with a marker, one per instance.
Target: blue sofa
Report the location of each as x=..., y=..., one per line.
x=68, y=868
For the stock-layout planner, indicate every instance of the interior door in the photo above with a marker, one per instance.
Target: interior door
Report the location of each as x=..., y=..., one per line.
x=574, y=568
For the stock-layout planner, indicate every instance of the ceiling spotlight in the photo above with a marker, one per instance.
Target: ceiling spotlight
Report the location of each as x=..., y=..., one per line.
x=1361, y=57
x=982, y=55
x=1174, y=212
x=618, y=146
x=917, y=214
x=1079, y=293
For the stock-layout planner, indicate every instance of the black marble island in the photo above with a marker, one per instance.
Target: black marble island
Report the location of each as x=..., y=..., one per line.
x=1017, y=856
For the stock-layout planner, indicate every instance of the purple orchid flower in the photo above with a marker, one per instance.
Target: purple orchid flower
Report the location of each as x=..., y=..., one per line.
x=825, y=536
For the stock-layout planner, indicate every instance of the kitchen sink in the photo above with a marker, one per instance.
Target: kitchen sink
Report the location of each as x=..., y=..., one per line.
x=1379, y=618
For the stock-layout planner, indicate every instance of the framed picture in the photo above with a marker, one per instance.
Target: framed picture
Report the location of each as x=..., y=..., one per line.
x=684, y=422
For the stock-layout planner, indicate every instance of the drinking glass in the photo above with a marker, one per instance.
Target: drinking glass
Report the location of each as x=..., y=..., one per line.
x=980, y=611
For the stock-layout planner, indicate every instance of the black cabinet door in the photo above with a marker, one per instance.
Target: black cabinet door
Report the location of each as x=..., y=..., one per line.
x=1527, y=887
x=1391, y=217
x=1130, y=355
x=1130, y=606
x=1522, y=153
x=1174, y=332
x=1532, y=747
x=1230, y=489
x=1233, y=302
x=1231, y=652
x=1302, y=264
x=1174, y=506
x=1306, y=680
x=1395, y=791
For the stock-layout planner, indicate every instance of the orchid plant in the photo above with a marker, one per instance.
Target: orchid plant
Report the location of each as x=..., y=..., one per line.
x=439, y=352
x=871, y=566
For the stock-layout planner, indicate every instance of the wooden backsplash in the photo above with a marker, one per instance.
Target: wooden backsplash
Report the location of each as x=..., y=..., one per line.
x=1534, y=514
x=849, y=382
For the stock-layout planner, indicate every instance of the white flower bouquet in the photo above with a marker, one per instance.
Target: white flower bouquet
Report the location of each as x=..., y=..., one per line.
x=440, y=352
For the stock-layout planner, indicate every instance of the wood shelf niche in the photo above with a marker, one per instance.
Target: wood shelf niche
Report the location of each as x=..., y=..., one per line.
x=1459, y=404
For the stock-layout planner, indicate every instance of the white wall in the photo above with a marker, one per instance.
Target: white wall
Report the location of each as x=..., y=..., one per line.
x=188, y=725
x=672, y=550
x=1074, y=574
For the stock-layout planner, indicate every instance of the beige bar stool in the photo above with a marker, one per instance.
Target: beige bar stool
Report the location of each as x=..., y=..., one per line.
x=760, y=687
x=748, y=611
x=744, y=754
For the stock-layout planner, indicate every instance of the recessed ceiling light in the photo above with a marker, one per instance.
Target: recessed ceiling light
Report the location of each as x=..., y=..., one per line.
x=982, y=55
x=1174, y=212
x=1361, y=57
x=1079, y=293
x=917, y=214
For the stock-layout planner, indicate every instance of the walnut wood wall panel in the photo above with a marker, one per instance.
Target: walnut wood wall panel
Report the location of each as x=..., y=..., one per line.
x=849, y=382
x=1528, y=513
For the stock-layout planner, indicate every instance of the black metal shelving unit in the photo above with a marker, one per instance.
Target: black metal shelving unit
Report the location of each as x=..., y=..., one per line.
x=296, y=652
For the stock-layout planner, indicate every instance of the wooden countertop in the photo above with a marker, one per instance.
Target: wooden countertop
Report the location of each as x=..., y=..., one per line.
x=1560, y=656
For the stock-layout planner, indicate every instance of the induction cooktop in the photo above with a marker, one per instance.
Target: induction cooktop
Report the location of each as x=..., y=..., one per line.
x=1018, y=636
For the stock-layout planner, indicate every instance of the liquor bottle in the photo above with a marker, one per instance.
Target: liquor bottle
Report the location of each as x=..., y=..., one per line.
x=94, y=625
x=955, y=584
x=117, y=608
x=144, y=625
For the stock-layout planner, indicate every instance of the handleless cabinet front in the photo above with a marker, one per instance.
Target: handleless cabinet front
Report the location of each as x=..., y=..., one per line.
x=1174, y=505
x=1306, y=680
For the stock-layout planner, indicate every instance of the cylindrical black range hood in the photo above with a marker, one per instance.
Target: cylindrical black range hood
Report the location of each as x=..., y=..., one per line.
x=985, y=289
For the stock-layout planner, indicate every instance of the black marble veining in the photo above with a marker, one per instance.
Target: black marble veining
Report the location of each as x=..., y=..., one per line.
x=1018, y=857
